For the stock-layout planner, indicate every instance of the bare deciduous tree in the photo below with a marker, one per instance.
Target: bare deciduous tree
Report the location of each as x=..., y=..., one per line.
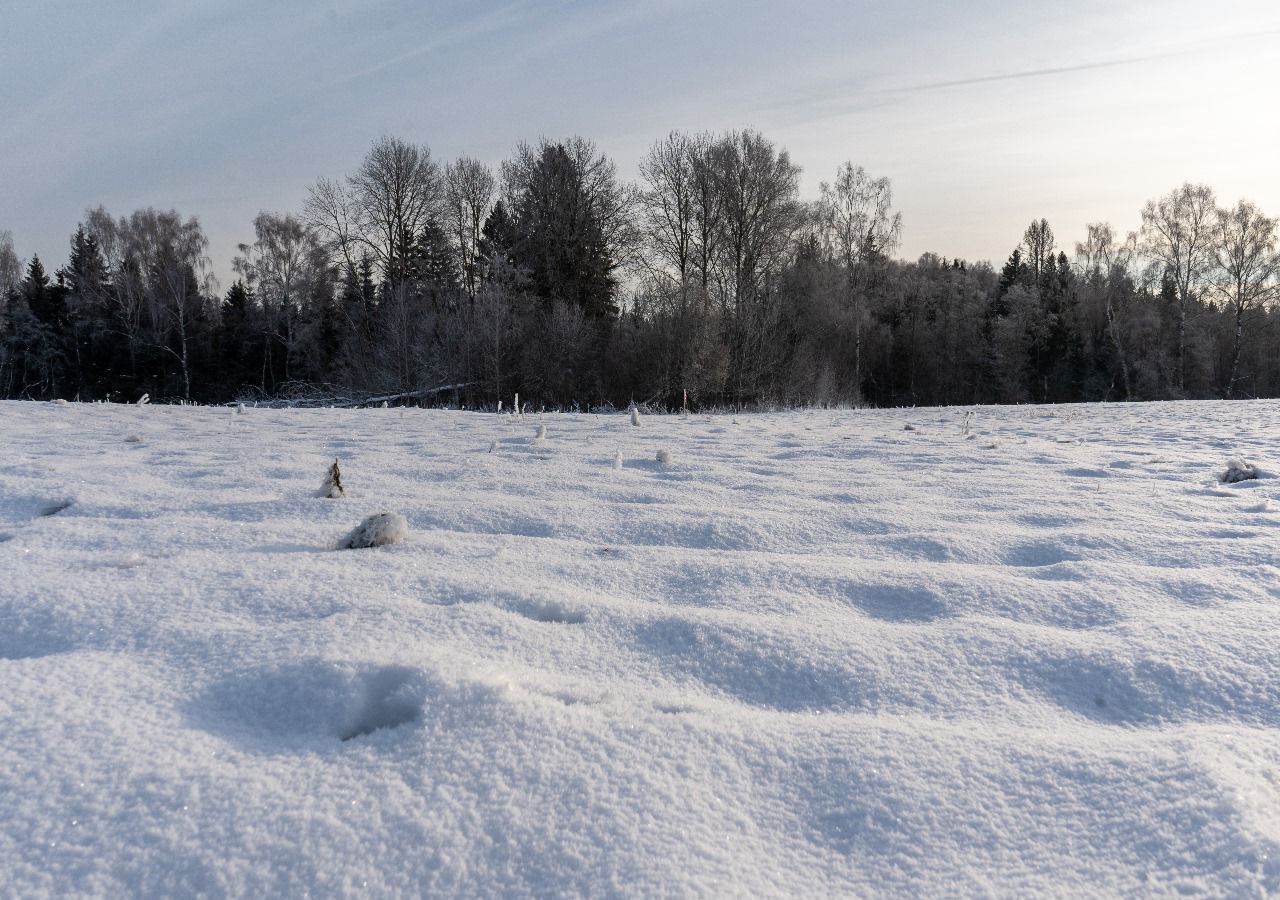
x=469, y=190
x=668, y=202
x=1247, y=267
x=1105, y=263
x=383, y=206
x=167, y=256
x=1178, y=233
x=857, y=227
x=756, y=186
x=285, y=263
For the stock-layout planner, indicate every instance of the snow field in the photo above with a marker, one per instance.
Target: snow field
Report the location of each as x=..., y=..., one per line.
x=815, y=653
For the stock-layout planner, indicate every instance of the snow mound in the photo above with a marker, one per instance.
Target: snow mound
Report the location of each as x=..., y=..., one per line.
x=1237, y=470
x=377, y=531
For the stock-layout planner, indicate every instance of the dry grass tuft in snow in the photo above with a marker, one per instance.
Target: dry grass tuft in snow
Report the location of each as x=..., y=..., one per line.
x=377, y=531
x=332, y=488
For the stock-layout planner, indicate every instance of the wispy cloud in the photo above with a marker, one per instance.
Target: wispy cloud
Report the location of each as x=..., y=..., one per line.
x=499, y=20
x=1044, y=72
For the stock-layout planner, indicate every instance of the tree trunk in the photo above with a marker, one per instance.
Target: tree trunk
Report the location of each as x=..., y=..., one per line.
x=1235, y=351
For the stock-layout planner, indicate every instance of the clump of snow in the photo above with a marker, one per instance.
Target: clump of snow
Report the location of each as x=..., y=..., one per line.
x=240, y=409
x=376, y=531
x=617, y=459
x=664, y=456
x=635, y=416
x=59, y=402
x=1237, y=470
x=541, y=433
x=332, y=487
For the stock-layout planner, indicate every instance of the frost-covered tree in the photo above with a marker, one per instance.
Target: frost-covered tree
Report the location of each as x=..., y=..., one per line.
x=757, y=187
x=1178, y=235
x=287, y=270
x=859, y=230
x=1246, y=271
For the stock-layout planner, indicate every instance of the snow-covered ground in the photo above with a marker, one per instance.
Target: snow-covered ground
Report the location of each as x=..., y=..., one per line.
x=815, y=653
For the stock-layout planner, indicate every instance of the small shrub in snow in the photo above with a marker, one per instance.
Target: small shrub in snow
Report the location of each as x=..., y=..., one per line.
x=1238, y=470
x=664, y=457
x=332, y=488
x=376, y=531
x=493, y=445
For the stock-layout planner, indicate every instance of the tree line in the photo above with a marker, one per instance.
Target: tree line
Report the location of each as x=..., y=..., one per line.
x=706, y=280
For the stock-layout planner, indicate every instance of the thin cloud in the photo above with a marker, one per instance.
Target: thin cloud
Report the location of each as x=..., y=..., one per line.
x=1048, y=71
x=1026, y=73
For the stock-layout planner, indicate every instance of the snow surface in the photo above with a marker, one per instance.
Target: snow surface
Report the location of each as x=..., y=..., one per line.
x=818, y=654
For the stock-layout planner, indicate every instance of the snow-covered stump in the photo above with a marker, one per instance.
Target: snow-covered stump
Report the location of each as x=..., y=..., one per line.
x=377, y=531
x=1238, y=470
x=332, y=487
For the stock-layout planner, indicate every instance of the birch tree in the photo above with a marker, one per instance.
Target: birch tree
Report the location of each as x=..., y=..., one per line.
x=1178, y=234
x=858, y=228
x=1247, y=267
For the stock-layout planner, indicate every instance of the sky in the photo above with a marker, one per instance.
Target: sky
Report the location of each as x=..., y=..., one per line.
x=983, y=114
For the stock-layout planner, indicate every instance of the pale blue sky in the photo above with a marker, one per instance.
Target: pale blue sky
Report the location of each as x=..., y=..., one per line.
x=984, y=114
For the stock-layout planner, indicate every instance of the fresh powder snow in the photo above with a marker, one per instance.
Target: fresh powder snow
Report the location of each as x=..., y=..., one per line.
x=818, y=653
